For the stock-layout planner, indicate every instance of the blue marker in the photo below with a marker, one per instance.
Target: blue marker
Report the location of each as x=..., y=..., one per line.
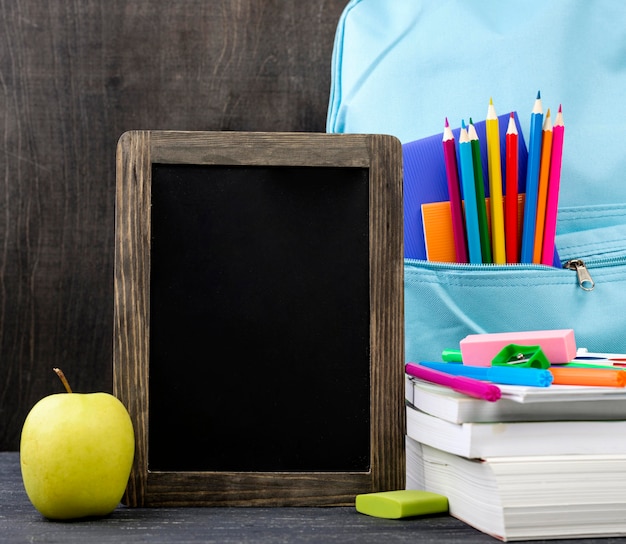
x=535, y=377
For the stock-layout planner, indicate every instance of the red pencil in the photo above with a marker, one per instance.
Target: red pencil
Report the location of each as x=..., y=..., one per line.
x=454, y=194
x=511, y=178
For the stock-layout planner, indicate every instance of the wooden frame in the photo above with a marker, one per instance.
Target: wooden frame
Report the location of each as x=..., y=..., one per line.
x=381, y=155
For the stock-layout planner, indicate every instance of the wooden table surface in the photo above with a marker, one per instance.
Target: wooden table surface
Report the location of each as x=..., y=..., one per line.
x=20, y=522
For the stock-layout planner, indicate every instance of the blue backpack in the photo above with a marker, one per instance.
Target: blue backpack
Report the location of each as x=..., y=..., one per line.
x=401, y=67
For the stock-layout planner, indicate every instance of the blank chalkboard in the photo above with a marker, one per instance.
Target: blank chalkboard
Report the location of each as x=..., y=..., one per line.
x=258, y=316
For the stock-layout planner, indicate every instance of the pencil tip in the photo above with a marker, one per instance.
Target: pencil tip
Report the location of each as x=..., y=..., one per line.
x=512, y=116
x=491, y=101
x=560, y=110
x=470, y=121
x=538, y=95
x=446, y=123
x=463, y=123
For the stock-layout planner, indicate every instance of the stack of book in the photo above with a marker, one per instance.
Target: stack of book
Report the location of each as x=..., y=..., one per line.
x=539, y=463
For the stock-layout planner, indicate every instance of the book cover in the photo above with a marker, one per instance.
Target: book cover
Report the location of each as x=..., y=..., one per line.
x=498, y=439
x=526, y=498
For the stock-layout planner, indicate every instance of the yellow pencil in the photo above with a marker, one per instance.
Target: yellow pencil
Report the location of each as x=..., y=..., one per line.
x=495, y=185
x=542, y=194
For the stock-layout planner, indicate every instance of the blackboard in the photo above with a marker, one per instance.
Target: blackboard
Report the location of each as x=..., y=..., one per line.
x=258, y=316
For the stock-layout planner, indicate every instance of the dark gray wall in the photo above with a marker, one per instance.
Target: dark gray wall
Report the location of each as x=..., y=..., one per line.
x=74, y=75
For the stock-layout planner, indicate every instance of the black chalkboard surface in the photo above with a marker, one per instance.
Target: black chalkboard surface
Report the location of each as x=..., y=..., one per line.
x=259, y=316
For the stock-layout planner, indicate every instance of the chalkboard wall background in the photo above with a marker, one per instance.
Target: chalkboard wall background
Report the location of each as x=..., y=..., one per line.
x=73, y=77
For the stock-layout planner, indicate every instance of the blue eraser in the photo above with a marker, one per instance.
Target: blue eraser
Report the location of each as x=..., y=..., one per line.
x=403, y=503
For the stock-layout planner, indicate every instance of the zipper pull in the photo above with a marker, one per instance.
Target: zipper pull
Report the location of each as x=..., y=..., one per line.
x=584, y=278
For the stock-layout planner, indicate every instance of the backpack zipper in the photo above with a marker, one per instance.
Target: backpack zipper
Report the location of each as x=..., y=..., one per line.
x=585, y=281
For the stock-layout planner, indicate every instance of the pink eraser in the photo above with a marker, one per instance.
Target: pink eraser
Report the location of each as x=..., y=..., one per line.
x=559, y=346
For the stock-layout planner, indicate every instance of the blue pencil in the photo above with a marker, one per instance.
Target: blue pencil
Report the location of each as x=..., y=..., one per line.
x=532, y=181
x=469, y=196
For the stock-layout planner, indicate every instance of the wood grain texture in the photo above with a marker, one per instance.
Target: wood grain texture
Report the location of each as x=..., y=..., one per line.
x=387, y=304
x=73, y=77
x=382, y=156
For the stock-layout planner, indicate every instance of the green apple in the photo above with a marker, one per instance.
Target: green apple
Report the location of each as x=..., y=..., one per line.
x=76, y=453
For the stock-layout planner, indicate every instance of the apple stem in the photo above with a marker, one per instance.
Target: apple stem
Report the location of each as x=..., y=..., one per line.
x=62, y=377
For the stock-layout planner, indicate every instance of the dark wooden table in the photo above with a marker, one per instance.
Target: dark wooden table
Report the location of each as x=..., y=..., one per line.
x=20, y=522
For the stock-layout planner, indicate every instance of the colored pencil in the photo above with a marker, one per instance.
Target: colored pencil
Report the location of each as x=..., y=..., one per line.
x=495, y=185
x=479, y=179
x=469, y=195
x=554, y=182
x=454, y=194
x=542, y=193
x=511, y=182
x=532, y=181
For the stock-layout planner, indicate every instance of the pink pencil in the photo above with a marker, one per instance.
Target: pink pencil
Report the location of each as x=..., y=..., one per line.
x=554, y=182
x=454, y=193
